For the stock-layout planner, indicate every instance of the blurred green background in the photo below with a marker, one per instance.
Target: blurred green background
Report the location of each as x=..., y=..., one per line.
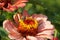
x=51, y=8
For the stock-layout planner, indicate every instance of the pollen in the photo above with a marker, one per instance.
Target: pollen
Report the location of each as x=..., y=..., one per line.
x=28, y=25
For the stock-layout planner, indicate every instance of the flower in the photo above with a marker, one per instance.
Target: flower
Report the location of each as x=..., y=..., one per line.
x=26, y=27
x=11, y=5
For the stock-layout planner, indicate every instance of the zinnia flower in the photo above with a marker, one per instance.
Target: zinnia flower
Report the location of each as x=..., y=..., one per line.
x=11, y=5
x=26, y=27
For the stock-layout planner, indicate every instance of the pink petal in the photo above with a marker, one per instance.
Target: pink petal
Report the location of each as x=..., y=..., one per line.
x=34, y=38
x=1, y=5
x=45, y=36
x=45, y=26
x=47, y=32
x=40, y=38
x=39, y=17
x=17, y=17
x=11, y=29
x=7, y=24
x=16, y=36
x=24, y=38
x=31, y=38
x=25, y=13
x=46, y=29
x=21, y=39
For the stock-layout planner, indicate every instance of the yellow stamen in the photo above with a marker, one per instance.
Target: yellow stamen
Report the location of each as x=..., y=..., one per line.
x=28, y=25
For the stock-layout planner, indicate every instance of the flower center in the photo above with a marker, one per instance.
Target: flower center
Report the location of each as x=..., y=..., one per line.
x=28, y=26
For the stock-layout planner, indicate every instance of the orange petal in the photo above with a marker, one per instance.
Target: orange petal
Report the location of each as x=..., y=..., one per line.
x=23, y=0
x=20, y=1
x=20, y=5
x=16, y=5
x=11, y=8
x=8, y=10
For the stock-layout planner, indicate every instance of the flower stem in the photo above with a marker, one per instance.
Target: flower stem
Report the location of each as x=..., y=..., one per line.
x=55, y=34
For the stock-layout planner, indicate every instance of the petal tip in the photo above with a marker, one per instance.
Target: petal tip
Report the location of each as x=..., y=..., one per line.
x=4, y=23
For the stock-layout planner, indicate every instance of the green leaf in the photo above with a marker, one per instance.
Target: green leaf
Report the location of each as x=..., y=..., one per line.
x=5, y=38
x=40, y=8
x=58, y=35
x=3, y=33
x=28, y=6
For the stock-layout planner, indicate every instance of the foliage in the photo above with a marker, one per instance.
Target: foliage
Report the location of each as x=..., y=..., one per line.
x=3, y=34
x=51, y=8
